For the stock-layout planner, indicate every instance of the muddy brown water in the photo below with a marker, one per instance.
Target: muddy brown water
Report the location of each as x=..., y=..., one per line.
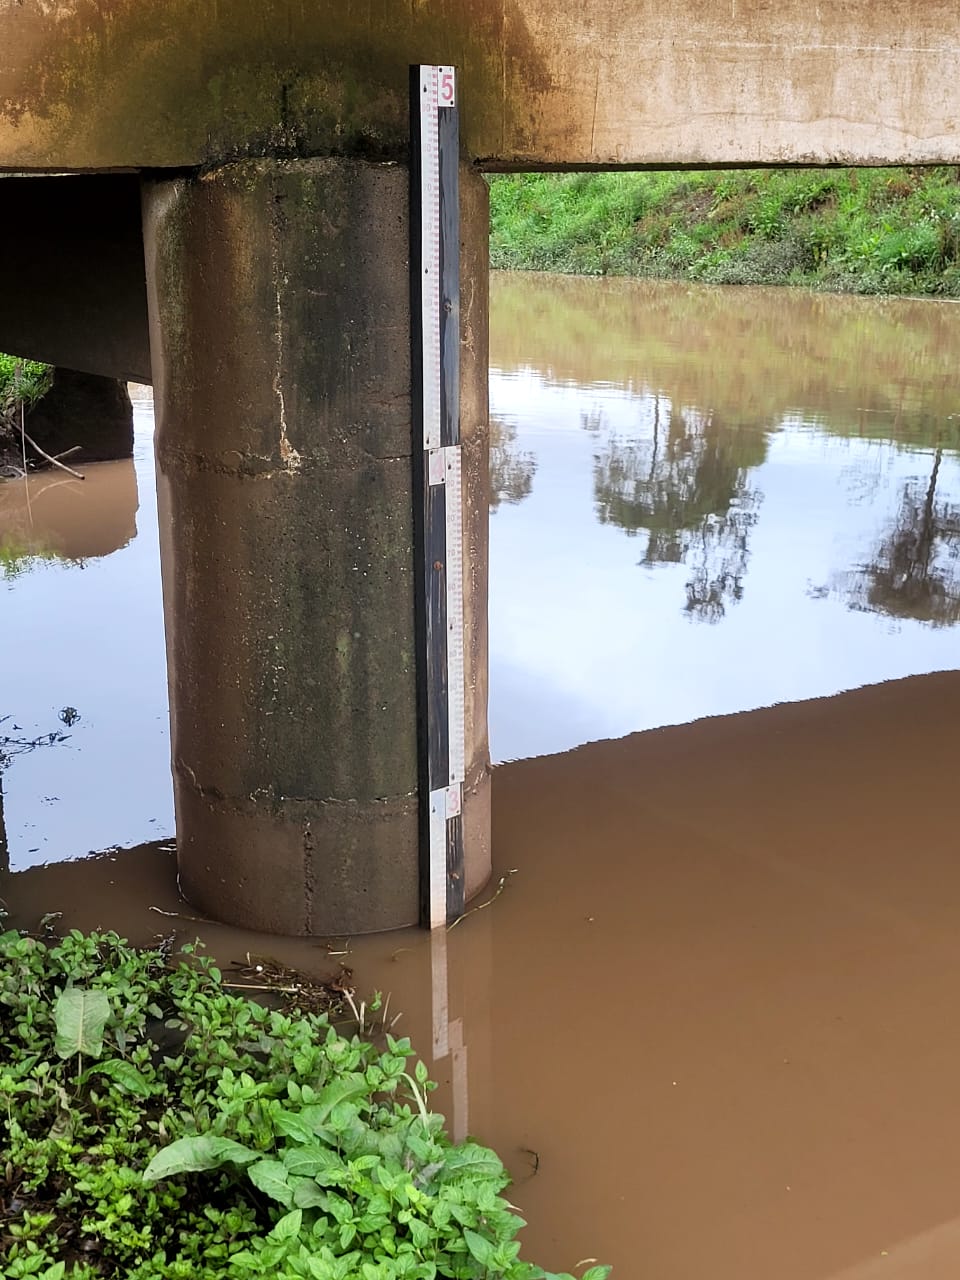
x=711, y=1020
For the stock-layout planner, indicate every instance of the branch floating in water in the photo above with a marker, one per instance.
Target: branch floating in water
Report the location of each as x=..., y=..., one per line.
x=500, y=888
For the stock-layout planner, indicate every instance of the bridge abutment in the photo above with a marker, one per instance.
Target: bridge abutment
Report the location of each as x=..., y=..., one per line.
x=280, y=345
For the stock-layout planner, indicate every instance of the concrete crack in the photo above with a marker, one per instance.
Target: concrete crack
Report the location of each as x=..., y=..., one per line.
x=289, y=456
x=309, y=879
x=596, y=99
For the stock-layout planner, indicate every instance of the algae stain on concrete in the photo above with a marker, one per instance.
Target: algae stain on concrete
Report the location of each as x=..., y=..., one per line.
x=343, y=652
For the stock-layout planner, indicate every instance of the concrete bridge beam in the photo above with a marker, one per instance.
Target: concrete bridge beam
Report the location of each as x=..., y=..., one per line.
x=280, y=336
x=73, y=290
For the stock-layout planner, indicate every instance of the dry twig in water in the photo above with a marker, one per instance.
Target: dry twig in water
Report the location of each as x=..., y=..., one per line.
x=493, y=897
x=49, y=456
x=178, y=915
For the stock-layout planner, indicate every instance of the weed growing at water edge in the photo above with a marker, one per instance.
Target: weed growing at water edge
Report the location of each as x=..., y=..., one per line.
x=22, y=382
x=157, y=1127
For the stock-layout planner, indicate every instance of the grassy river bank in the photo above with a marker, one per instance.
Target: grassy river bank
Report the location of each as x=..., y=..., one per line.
x=845, y=230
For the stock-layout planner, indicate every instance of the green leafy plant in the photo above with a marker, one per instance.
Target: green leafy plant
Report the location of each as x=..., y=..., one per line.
x=158, y=1127
x=22, y=383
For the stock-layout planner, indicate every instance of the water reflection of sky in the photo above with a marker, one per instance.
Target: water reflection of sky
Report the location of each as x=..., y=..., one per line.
x=671, y=539
x=591, y=638
x=86, y=631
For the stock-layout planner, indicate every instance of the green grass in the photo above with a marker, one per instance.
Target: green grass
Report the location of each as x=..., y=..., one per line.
x=25, y=380
x=850, y=230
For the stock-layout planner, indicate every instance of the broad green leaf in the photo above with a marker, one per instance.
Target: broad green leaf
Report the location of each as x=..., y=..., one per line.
x=306, y=1193
x=125, y=1074
x=320, y=1268
x=193, y=1155
x=505, y=1253
x=464, y=1213
x=481, y=1248
x=339, y=1208
x=423, y=1146
x=390, y=1146
x=343, y=1117
x=289, y=1225
x=342, y=1089
x=377, y=1210
x=597, y=1273
x=441, y=1214
x=80, y=1017
x=296, y=1124
x=309, y=1161
x=420, y=1233
x=471, y=1160
x=272, y=1178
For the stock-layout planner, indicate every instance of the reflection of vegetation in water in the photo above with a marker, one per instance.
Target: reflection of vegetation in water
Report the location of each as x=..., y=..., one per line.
x=511, y=469
x=873, y=367
x=718, y=560
x=13, y=745
x=685, y=484
x=914, y=571
x=17, y=558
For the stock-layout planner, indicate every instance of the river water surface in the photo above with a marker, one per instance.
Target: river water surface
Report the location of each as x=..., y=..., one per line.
x=711, y=1021
x=82, y=648
x=713, y=500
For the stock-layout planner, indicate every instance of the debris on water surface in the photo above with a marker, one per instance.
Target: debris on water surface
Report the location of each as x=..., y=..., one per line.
x=263, y=974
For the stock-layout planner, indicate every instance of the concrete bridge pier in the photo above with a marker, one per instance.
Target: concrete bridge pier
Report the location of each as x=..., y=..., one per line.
x=280, y=345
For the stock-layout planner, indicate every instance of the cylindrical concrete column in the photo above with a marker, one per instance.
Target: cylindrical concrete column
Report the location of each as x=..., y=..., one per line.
x=280, y=344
